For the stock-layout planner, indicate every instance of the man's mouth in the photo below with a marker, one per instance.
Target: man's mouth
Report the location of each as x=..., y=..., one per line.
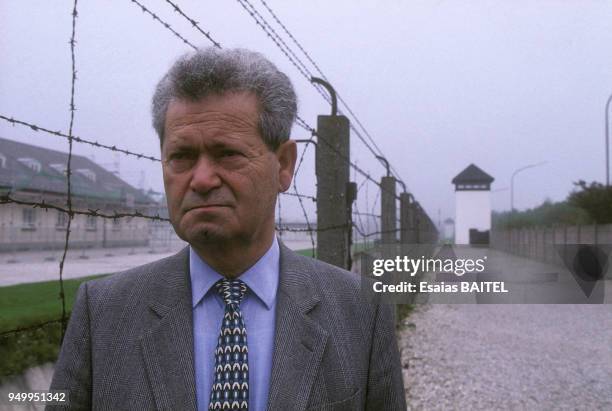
x=205, y=206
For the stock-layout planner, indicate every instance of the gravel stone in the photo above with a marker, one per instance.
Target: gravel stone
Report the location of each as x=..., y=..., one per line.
x=519, y=357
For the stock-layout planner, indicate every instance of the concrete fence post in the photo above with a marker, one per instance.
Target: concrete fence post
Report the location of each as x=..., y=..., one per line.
x=418, y=223
x=332, y=170
x=388, y=210
x=405, y=220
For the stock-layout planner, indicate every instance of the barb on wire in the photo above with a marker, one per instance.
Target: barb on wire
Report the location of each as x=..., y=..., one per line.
x=75, y=138
x=194, y=23
x=163, y=23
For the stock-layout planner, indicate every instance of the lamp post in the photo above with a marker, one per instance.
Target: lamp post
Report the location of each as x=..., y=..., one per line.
x=608, y=140
x=518, y=170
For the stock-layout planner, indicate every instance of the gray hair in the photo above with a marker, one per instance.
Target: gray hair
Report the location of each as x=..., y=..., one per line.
x=212, y=71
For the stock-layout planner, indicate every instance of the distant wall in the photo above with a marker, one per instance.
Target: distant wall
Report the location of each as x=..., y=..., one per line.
x=540, y=243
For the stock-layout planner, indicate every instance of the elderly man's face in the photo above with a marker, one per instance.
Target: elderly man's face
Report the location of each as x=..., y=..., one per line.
x=221, y=179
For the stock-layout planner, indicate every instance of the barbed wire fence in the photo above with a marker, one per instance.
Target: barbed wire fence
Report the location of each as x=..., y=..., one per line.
x=358, y=221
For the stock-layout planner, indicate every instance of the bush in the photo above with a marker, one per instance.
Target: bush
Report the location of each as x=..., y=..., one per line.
x=25, y=349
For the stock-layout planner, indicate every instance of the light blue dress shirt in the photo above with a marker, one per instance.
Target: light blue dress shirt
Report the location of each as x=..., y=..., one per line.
x=258, y=311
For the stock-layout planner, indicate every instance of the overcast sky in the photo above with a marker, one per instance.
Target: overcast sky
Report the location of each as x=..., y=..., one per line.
x=438, y=84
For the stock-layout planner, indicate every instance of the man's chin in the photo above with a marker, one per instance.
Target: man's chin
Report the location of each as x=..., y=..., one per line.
x=205, y=235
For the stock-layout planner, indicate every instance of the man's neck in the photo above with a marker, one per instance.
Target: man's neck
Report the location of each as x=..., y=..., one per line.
x=232, y=261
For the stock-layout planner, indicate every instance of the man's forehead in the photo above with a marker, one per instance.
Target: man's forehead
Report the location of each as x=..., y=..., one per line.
x=220, y=139
x=228, y=119
x=243, y=102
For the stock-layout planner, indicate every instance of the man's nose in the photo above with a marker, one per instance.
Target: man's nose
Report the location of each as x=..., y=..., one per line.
x=204, y=177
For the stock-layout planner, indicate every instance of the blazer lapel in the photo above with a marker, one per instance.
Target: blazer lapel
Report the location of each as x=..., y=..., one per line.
x=299, y=341
x=167, y=347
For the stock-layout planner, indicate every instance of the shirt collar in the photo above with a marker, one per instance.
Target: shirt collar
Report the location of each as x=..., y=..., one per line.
x=261, y=278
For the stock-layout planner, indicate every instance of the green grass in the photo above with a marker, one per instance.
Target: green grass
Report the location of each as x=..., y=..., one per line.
x=24, y=305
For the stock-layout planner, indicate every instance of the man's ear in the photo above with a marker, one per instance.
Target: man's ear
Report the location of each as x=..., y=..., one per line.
x=286, y=153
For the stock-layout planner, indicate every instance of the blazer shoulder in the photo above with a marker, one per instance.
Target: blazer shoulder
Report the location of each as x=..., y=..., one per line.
x=328, y=274
x=335, y=283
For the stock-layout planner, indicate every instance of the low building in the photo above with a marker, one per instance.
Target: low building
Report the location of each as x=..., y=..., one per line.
x=34, y=174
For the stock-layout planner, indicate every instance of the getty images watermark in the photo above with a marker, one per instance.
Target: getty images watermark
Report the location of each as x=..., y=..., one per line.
x=412, y=266
x=430, y=273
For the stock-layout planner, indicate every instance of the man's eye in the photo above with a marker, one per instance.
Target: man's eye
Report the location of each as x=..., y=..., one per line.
x=181, y=161
x=230, y=153
x=179, y=155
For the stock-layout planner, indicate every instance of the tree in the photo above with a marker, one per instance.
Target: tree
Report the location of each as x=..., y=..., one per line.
x=595, y=199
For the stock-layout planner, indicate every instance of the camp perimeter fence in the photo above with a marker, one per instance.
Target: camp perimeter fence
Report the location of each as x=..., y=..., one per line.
x=391, y=217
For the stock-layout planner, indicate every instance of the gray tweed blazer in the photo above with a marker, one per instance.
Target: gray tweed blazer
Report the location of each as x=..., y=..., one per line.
x=129, y=342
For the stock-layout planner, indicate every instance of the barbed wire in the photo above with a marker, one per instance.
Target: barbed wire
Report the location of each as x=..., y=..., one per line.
x=7, y=199
x=271, y=33
x=194, y=23
x=163, y=23
x=374, y=233
x=62, y=261
x=312, y=241
x=367, y=214
x=74, y=138
x=298, y=195
x=29, y=328
x=316, y=66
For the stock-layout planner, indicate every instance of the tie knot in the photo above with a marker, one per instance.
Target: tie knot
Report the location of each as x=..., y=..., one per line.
x=231, y=291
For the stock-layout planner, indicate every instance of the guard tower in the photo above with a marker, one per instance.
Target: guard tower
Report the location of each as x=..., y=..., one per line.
x=472, y=206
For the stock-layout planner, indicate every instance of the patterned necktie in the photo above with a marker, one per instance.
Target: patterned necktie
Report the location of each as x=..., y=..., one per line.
x=230, y=390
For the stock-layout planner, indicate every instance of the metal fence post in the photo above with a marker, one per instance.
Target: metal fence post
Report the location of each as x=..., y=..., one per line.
x=332, y=170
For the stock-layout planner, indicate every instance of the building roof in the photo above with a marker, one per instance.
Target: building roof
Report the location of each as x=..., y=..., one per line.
x=25, y=167
x=472, y=174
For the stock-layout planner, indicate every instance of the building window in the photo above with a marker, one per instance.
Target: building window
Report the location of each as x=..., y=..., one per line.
x=29, y=219
x=31, y=163
x=91, y=223
x=62, y=219
x=87, y=173
x=59, y=167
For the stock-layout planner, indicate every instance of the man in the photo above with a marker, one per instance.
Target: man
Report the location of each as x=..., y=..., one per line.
x=236, y=320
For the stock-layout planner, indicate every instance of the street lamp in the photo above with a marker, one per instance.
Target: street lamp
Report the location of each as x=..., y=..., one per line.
x=608, y=141
x=518, y=170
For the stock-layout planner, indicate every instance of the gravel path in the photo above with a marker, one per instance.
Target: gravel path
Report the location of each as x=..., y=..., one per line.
x=484, y=357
